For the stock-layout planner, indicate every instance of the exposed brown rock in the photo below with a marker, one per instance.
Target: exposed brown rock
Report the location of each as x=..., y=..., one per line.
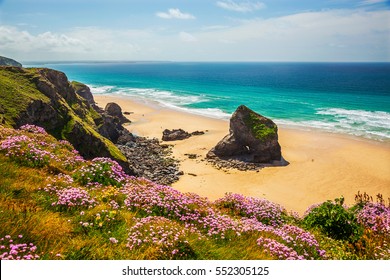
x=252, y=138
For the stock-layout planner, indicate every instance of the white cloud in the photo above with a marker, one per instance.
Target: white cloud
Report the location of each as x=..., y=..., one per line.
x=371, y=2
x=13, y=38
x=331, y=35
x=174, y=14
x=310, y=36
x=87, y=43
x=187, y=37
x=241, y=7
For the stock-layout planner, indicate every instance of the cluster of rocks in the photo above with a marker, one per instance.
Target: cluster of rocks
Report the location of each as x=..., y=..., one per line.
x=178, y=134
x=226, y=164
x=149, y=159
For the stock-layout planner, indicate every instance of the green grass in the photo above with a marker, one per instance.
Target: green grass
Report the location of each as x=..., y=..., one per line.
x=16, y=92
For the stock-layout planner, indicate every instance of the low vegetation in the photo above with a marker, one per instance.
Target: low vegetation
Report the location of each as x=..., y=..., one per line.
x=54, y=204
x=260, y=130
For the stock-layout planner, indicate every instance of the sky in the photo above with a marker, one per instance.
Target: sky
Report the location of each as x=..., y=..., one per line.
x=196, y=30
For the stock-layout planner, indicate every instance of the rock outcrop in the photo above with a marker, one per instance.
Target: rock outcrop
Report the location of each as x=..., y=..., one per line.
x=5, y=61
x=84, y=91
x=252, y=138
x=110, y=124
x=114, y=110
x=46, y=98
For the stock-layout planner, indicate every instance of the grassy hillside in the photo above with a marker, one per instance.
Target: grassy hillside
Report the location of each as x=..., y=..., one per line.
x=56, y=205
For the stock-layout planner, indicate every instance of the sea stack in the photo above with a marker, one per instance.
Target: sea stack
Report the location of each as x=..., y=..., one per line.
x=252, y=138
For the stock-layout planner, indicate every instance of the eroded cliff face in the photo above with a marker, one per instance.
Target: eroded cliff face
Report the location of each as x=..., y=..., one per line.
x=46, y=98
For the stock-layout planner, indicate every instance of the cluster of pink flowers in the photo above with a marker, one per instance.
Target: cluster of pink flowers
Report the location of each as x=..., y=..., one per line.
x=26, y=150
x=154, y=199
x=113, y=240
x=161, y=233
x=161, y=200
x=11, y=250
x=33, y=129
x=277, y=249
x=375, y=216
x=263, y=210
x=114, y=205
x=101, y=172
x=300, y=241
x=74, y=197
x=286, y=240
x=37, y=148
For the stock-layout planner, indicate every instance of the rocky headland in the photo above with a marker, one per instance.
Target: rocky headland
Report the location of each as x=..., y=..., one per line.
x=5, y=61
x=67, y=110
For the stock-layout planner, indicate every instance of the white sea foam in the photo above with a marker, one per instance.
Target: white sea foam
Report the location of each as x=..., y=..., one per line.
x=207, y=112
x=367, y=124
x=164, y=98
x=101, y=89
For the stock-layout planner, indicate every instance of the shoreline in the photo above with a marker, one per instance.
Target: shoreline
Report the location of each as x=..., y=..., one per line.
x=322, y=165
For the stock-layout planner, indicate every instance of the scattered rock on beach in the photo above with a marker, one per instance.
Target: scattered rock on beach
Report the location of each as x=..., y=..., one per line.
x=175, y=134
x=151, y=160
x=178, y=134
x=197, y=133
x=252, y=138
x=191, y=156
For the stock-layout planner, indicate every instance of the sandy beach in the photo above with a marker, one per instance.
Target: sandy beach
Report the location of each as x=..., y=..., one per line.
x=322, y=165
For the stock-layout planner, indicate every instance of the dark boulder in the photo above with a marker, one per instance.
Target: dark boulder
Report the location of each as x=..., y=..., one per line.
x=114, y=110
x=175, y=134
x=252, y=138
x=195, y=133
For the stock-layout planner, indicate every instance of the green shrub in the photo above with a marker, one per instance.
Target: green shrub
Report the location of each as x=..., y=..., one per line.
x=334, y=220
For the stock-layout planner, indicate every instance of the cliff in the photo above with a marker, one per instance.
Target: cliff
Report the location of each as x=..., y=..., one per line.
x=45, y=97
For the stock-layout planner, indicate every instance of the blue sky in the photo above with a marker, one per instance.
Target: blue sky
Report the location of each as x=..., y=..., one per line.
x=196, y=30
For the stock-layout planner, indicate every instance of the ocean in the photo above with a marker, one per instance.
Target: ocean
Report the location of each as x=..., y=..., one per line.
x=347, y=98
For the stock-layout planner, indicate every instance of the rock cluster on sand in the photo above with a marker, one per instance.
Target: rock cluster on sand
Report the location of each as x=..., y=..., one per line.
x=151, y=160
x=178, y=134
x=252, y=141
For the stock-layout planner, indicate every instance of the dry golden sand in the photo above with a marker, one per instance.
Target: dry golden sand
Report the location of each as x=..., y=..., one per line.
x=322, y=166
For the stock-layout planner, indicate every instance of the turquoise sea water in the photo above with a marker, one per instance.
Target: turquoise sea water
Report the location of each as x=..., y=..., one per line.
x=350, y=98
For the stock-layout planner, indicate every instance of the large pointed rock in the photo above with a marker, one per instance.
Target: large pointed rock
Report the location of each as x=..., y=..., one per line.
x=251, y=138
